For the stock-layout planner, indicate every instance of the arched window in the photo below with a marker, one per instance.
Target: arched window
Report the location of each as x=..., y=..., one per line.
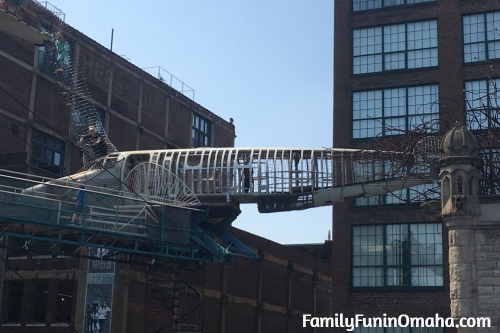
x=460, y=185
x=445, y=190
x=473, y=186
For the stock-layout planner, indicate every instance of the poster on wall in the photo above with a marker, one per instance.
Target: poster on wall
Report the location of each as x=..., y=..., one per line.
x=100, y=265
x=99, y=296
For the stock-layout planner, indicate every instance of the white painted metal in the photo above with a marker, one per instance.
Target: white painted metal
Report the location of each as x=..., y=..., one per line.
x=319, y=176
x=278, y=179
x=156, y=184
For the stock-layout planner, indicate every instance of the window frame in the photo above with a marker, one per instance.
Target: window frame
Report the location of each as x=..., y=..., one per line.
x=488, y=183
x=384, y=266
x=59, y=308
x=405, y=51
x=383, y=6
x=62, y=152
x=489, y=106
x=485, y=42
x=36, y=298
x=408, y=197
x=195, y=143
x=383, y=118
x=7, y=302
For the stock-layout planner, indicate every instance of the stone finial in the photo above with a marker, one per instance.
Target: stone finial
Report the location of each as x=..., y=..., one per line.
x=459, y=141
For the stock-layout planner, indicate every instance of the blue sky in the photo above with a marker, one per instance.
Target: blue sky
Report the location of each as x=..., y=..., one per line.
x=266, y=64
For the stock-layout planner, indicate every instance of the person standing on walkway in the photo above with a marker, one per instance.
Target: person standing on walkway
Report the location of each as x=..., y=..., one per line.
x=102, y=313
x=76, y=219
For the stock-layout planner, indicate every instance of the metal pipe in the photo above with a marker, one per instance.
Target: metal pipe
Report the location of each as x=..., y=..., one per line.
x=112, y=35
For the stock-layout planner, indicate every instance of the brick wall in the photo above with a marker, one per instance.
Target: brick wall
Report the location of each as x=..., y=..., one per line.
x=263, y=296
x=269, y=295
x=450, y=75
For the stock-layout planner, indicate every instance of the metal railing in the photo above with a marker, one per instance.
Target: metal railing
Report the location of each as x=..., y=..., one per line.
x=51, y=202
x=268, y=171
x=171, y=80
x=293, y=176
x=37, y=209
x=53, y=9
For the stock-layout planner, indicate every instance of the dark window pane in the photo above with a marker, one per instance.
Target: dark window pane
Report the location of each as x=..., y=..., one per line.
x=47, y=152
x=39, y=302
x=14, y=302
x=200, y=132
x=64, y=302
x=19, y=248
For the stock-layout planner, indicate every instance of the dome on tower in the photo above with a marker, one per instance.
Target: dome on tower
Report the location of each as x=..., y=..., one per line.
x=459, y=141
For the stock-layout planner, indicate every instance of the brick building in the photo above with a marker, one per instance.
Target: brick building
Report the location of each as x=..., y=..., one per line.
x=269, y=295
x=44, y=292
x=137, y=110
x=399, y=64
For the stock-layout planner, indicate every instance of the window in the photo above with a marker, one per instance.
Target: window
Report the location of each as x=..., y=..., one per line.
x=400, y=46
x=481, y=104
x=394, y=111
x=47, y=152
x=397, y=255
x=49, y=60
x=18, y=247
x=39, y=301
x=101, y=120
x=64, y=301
x=490, y=172
x=200, y=133
x=358, y=5
x=481, y=37
x=415, y=194
x=44, y=61
x=14, y=302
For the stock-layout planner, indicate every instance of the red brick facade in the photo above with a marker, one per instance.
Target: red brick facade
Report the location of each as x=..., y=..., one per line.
x=450, y=75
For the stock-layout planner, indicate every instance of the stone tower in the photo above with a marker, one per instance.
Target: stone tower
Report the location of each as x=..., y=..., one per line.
x=459, y=174
x=472, y=280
